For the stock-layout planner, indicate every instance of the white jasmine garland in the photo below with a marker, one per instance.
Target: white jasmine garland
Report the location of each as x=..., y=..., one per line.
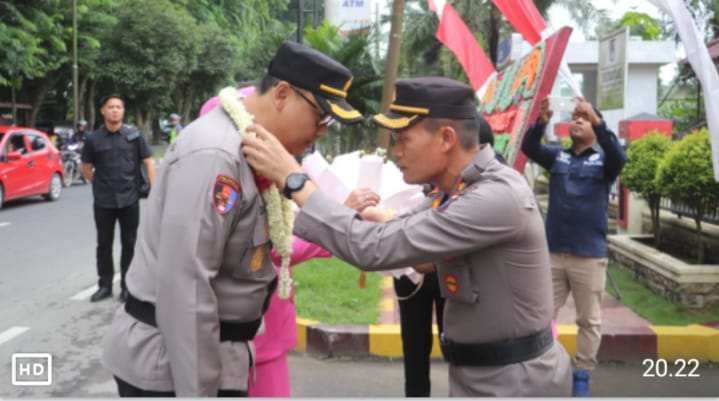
x=280, y=216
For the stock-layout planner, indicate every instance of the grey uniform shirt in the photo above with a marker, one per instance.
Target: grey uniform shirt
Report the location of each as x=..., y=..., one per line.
x=491, y=254
x=202, y=257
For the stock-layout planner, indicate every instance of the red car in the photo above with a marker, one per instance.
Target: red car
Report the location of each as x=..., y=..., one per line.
x=29, y=165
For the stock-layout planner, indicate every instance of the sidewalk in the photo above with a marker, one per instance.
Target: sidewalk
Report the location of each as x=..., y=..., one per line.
x=626, y=337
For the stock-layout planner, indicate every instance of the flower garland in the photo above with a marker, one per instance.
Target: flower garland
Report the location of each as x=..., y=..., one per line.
x=379, y=152
x=280, y=215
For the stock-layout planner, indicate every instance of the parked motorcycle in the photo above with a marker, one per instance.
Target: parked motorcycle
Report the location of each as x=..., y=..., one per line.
x=70, y=154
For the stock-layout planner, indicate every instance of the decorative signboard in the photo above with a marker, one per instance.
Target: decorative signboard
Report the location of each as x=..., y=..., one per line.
x=612, y=70
x=512, y=100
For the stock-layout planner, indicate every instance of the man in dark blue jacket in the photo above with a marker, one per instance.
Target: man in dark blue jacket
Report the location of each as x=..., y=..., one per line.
x=579, y=186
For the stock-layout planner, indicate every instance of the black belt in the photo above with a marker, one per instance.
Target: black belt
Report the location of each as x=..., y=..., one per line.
x=497, y=353
x=229, y=331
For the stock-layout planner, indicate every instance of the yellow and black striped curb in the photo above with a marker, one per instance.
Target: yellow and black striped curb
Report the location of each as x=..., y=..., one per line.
x=623, y=344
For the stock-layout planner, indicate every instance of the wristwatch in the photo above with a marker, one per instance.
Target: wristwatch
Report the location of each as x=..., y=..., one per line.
x=294, y=182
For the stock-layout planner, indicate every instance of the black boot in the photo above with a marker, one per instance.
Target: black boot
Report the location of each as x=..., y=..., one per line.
x=101, y=293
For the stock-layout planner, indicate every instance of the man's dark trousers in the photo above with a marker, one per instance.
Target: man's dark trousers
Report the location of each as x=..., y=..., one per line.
x=105, y=218
x=416, y=322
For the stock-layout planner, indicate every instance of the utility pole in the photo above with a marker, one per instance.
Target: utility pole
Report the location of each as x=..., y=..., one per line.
x=300, y=19
x=75, y=79
x=390, y=71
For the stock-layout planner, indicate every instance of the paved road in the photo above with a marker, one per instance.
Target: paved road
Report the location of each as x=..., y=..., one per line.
x=46, y=276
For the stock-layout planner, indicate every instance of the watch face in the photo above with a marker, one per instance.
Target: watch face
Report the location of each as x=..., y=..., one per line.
x=295, y=181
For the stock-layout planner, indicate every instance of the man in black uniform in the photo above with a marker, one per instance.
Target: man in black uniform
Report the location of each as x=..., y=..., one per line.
x=111, y=160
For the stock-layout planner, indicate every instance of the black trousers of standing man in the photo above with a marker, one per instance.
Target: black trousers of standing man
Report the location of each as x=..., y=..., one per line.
x=105, y=219
x=416, y=322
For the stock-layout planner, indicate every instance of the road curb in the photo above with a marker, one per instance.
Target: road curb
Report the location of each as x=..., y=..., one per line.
x=619, y=343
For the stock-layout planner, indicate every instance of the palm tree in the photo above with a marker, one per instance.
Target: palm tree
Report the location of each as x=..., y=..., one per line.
x=353, y=51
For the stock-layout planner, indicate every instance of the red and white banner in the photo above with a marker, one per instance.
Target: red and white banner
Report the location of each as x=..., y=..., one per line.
x=454, y=33
x=524, y=17
x=703, y=66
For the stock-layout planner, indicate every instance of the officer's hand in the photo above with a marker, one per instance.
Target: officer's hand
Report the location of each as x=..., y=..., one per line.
x=545, y=112
x=267, y=155
x=586, y=110
x=377, y=215
x=424, y=268
x=362, y=198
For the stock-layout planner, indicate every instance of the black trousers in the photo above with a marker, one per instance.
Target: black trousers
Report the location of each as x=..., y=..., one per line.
x=128, y=390
x=416, y=322
x=105, y=219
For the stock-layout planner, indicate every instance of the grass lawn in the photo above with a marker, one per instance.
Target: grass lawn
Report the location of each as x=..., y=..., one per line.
x=656, y=309
x=328, y=291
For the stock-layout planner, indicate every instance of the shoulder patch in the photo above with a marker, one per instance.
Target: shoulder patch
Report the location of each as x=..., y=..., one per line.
x=451, y=283
x=225, y=194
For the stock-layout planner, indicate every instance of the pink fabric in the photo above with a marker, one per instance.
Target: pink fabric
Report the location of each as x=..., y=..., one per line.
x=454, y=33
x=271, y=377
x=213, y=102
x=524, y=17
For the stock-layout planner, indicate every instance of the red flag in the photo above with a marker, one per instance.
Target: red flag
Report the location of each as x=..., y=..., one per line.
x=524, y=17
x=455, y=34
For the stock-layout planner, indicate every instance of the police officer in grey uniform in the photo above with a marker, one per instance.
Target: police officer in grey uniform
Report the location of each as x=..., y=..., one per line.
x=483, y=232
x=202, y=275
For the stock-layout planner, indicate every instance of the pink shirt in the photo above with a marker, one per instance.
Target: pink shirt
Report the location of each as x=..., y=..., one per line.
x=280, y=334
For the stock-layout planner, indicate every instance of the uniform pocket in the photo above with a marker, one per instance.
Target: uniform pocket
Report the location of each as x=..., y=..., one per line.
x=256, y=257
x=455, y=281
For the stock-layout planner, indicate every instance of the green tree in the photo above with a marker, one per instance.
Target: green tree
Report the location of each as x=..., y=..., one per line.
x=352, y=51
x=686, y=176
x=33, y=32
x=641, y=24
x=639, y=174
x=149, y=52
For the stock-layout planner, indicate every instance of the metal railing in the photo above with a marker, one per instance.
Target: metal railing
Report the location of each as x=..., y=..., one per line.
x=682, y=210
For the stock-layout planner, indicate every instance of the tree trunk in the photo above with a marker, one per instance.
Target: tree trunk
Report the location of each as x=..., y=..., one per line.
x=144, y=123
x=38, y=98
x=80, y=112
x=656, y=229
x=391, y=66
x=187, y=106
x=493, y=40
x=700, y=245
x=91, y=111
x=156, y=131
x=14, y=104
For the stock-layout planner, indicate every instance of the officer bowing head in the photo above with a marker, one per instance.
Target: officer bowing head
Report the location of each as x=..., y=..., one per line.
x=303, y=93
x=436, y=128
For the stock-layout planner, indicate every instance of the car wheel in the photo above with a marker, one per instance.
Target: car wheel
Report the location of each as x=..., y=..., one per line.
x=55, y=189
x=69, y=168
x=2, y=195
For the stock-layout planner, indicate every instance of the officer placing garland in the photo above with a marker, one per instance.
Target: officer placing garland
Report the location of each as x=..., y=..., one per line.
x=484, y=235
x=201, y=277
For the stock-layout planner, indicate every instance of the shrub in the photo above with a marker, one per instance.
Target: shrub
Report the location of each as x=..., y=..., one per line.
x=643, y=158
x=686, y=176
